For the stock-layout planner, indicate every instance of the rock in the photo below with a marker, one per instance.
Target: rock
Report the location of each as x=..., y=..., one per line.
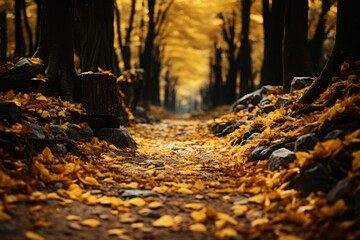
x=231, y=128
x=7, y=146
x=337, y=133
x=253, y=98
x=36, y=131
x=299, y=83
x=259, y=153
x=79, y=133
x=248, y=140
x=281, y=157
x=264, y=101
x=10, y=111
x=130, y=193
x=281, y=101
x=58, y=132
x=120, y=137
x=338, y=191
x=219, y=128
x=237, y=108
x=268, y=109
x=314, y=179
x=306, y=142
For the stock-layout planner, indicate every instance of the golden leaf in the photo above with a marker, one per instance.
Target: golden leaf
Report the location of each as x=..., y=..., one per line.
x=289, y=237
x=164, y=221
x=226, y=233
x=356, y=161
x=144, y=211
x=260, y=198
x=226, y=218
x=139, y=202
x=116, y=232
x=72, y=218
x=161, y=189
x=198, y=227
x=184, y=191
x=239, y=209
x=88, y=180
x=91, y=222
x=199, y=216
x=138, y=225
x=33, y=236
x=259, y=221
x=154, y=205
x=41, y=98
x=194, y=206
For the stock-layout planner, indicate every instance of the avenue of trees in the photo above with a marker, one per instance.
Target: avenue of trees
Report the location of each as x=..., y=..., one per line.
x=86, y=28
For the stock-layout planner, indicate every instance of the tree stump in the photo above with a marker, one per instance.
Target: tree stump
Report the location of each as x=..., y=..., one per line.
x=99, y=95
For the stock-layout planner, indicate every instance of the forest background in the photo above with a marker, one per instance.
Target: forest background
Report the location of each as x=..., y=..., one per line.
x=191, y=45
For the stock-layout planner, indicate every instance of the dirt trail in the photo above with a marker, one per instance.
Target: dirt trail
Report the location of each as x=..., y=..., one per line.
x=174, y=186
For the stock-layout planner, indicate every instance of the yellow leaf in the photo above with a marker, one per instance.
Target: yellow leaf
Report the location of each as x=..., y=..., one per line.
x=4, y=216
x=138, y=225
x=239, y=209
x=335, y=210
x=356, y=161
x=184, y=191
x=260, y=198
x=91, y=222
x=41, y=98
x=213, y=195
x=161, y=189
x=35, y=60
x=139, y=202
x=45, y=114
x=144, y=211
x=74, y=191
x=198, y=227
x=73, y=218
x=89, y=181
x=194, y=206
x=199, y=216
x=164, y=221
x=259, y=221
x=226, y=218
x=33, y=236
x=116, y=232
x=226, y=233
x=154, y=205
x=289, y=237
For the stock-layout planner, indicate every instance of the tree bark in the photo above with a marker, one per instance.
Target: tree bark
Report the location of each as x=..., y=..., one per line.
x=20, y=48
x=3, y=37
x=346, y=49
x=56, y=48
x=295, y=58
x=245, y=50
x=94, y=35
x=265, y=70
x=218, y=75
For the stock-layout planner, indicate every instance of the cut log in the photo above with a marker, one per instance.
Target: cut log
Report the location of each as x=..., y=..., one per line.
x=98, y=93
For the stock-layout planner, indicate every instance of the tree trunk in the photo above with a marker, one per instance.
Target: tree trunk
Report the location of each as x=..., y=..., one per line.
x=218, y=76
x=265, y=70
x=277, y=31
x=245, y=52
x=20, y=48
x=295, y=58
x=56, y=48
x=316, y=43
x=94, y=35
x=3, y=37
x=346, y=49
x=146, y=56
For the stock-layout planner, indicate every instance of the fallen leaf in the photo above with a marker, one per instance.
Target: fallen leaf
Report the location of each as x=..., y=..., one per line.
x=33, y=236
x=260, y=198
x=198, y=227
x=116, y=232
x=198, y=216
x=164, y=221
x=194, y=206
x=73, y=218
x=139, y=202
x=226, y=218
x=91, y=222
x=154, y=205
x=239, y=209
x=226, y=233
x=259, y=221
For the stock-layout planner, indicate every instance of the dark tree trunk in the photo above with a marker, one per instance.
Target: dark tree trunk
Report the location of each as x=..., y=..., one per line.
x=28, y=28
x=295, y=58
x=228, y=29
x=3, y=37
x=277, y=30
x=155, y=98
x=245, y=52
x=146, y=56
x=218, y=76
x=38, y=20
x=94, y=35
x=346, y=49
x=265, y=70
x=316, y=43
x=20, y=48
x=56, y=48
x=167, y=90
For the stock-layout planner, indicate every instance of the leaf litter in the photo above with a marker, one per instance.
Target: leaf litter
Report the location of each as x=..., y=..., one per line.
x=204, y=185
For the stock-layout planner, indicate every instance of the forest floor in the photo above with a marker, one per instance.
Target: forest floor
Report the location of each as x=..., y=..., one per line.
x=184, y=193
x=271, y=169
